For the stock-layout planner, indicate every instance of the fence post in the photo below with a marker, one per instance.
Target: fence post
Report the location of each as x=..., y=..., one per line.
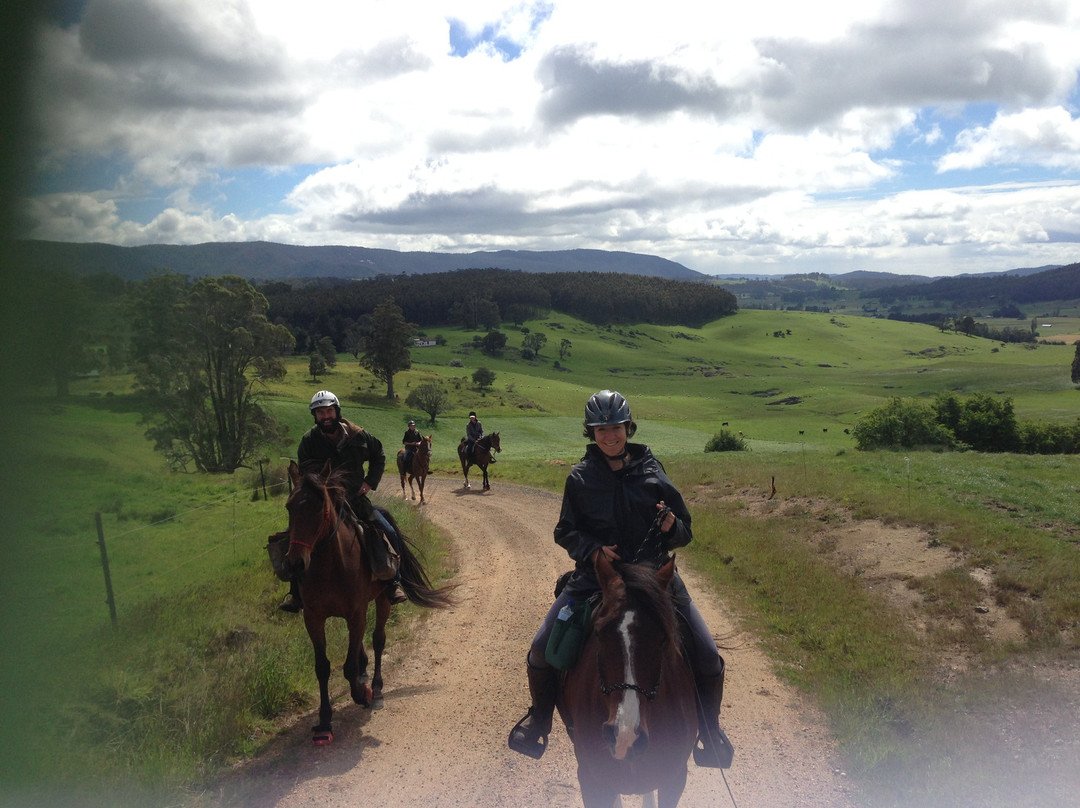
x=105, y=567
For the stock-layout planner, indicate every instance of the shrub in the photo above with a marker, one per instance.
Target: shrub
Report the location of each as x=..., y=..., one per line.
x=901, y=424
x=1049, y=438
x=725, y=441
x=982, y=422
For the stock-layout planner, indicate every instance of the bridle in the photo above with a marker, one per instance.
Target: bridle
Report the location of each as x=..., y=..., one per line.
x=328, y=515
x=607, y=689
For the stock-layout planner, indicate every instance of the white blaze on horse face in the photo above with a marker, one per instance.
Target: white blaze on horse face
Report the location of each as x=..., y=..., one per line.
x=628, y=716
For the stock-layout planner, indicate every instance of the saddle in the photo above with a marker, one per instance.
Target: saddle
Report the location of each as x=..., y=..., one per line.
x=382, y=557
x=384, y=560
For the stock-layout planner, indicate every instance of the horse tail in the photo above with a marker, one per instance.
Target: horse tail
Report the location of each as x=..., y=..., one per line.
x=415, y=582
x=414, y=578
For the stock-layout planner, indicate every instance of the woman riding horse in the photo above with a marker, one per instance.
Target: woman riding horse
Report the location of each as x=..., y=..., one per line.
x=611, y=499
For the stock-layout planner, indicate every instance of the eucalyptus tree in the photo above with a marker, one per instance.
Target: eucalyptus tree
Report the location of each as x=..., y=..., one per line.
x=200, y=351
x=385, y=347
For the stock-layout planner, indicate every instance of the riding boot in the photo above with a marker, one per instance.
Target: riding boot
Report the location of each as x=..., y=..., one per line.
x=713, y=749
x=292, y=602
x=529, y=735
x=397, y=594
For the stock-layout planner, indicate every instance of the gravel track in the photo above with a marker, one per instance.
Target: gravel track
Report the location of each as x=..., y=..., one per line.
x=455, y=684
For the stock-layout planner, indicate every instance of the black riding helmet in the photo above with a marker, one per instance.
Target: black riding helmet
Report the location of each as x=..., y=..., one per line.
x=608, y=408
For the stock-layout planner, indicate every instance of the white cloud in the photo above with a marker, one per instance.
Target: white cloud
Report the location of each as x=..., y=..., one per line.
x=768, y=133
x=1043, y=137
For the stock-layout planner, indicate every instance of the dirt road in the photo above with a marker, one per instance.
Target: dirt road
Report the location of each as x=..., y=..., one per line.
x=457, y=684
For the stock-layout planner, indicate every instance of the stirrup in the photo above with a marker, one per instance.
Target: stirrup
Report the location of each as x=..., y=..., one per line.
x=397, y=595
x=290, y=604
x=525, y=740
x=716, y=752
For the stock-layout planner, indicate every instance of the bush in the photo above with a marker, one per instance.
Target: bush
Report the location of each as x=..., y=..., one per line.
x=901, y=424
x=724, y=441
x=1049, y=438
x=982, y=422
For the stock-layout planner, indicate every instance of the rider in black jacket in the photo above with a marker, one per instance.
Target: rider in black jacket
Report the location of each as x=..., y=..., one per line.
x=344, y=445
x=612, y=500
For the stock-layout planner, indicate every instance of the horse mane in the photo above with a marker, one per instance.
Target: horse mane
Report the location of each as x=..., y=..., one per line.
x=643, y=590
x=334, y=482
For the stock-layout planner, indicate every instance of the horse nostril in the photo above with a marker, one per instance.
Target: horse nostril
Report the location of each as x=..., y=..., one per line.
x=641, y=746
x=608, y=734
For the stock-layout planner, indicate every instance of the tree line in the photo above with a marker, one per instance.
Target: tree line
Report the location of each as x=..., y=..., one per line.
x=1061, y=283
x=484, y=298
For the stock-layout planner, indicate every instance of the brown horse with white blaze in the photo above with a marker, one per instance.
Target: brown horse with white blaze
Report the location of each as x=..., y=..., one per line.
x=629, y=704
x=328, y=543
x=418, y=467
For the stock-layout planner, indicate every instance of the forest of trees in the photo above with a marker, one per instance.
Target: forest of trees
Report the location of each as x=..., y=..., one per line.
x=962, y=292
x=482, y=298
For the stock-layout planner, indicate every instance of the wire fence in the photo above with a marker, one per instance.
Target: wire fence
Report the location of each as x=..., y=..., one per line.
x=63, y=582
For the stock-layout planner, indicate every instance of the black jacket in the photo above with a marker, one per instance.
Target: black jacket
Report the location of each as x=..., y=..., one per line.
x=357, y=450
x=604, y=507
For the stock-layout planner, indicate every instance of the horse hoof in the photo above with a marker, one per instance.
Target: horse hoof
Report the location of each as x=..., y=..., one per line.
x=322, y=737
x=362, y=695
x=377, y=702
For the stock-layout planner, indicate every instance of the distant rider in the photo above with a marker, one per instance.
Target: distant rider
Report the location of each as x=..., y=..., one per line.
x=411, y=441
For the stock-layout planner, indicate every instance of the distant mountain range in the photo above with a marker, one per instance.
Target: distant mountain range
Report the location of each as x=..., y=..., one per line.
x=263, y=261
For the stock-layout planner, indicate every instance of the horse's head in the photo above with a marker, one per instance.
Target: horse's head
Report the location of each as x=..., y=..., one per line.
x=425, y=445
x=634, y=627
x=311, y=507
x=495, y=445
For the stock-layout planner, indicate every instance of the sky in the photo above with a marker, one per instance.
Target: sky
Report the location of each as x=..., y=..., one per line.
x=767, y=137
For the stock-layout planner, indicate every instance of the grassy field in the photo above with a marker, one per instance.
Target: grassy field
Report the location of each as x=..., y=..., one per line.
x=200, y=670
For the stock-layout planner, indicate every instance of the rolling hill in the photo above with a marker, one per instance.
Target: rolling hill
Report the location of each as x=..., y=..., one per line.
x=264, y=261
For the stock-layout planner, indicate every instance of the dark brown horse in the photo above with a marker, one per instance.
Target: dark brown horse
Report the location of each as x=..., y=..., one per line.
x=418, y=468
x=483, y=450
x=629, y=703
x=325, y=541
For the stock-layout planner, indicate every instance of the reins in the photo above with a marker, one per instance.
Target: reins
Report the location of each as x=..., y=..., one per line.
x=325, y=521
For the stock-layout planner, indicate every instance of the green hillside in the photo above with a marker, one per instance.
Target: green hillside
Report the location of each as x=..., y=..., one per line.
x=740, y=370
x=200, y=671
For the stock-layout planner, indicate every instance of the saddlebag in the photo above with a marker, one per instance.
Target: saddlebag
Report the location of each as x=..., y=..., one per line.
x=277, y=546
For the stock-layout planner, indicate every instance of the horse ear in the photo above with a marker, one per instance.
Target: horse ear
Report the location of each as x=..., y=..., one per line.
x=666, y=573
x=294, y=473
x=611, y=583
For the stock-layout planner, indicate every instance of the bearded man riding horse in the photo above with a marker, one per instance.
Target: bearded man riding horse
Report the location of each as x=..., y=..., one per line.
x=336, y=443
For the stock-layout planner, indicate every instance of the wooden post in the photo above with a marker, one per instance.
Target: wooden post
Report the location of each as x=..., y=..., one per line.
x=262, y=474
x=105, y=567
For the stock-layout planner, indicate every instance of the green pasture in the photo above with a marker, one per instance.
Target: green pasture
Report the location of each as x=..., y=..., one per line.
x=146, y=704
